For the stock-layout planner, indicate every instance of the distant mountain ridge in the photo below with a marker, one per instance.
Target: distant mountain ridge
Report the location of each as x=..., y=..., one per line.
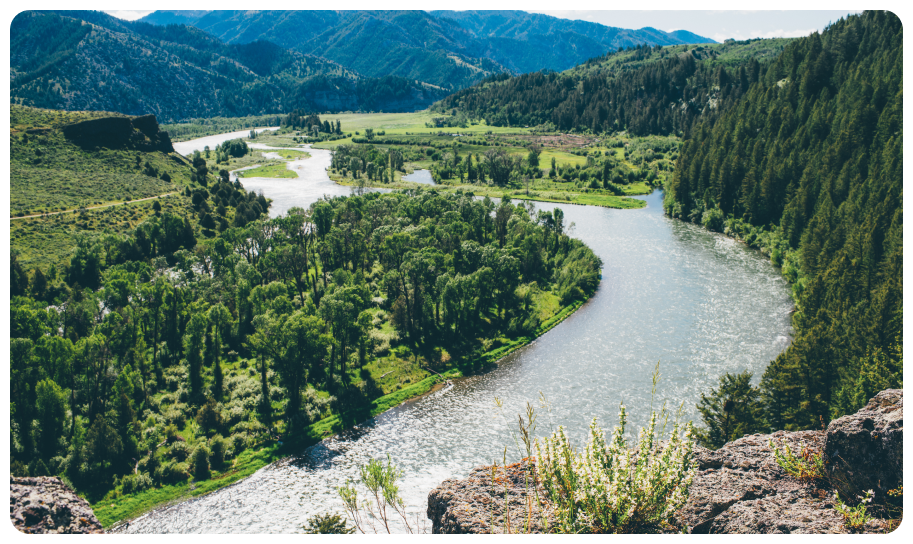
x=449, y=49
x=85, y=60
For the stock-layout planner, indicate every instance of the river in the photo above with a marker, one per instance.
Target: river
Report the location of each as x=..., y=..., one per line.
x=698, y=302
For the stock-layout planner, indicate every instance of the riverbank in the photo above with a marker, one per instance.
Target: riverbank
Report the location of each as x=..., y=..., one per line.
x=557, y=197
x=116, y=512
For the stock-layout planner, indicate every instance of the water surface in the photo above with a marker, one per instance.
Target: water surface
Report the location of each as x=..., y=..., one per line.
x=420, y=176
x=699, y=302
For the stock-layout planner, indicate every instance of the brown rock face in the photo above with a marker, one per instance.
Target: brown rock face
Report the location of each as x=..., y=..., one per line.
x=141, y=133
x=47, y=505
x=865, y=450
x=481, y=504
x=738, y=488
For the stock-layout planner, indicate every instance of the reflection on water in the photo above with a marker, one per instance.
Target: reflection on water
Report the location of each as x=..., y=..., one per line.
x=700, y=303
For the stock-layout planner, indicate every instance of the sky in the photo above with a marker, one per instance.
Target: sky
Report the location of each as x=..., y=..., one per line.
x=715, y=24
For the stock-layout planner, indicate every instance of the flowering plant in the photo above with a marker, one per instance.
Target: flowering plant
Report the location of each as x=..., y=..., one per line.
x=611, y=488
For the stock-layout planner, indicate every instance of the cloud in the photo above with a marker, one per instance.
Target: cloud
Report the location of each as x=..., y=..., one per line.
x=128, y=14
x=779, y=33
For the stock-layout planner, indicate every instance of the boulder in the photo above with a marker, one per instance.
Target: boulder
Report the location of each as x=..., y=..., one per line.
x=484, y=503
x=865, y=450
x=47, y=505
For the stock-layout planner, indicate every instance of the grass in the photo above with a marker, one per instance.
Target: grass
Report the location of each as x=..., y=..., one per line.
x=48, y=173
x=45, y=241
x=292, y=154
x=270, y=171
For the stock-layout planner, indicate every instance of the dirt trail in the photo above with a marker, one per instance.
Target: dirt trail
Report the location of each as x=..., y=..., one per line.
x=91, y=207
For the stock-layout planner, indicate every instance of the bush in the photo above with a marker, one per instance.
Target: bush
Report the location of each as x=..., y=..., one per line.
x=134, y=483
x=713, y=219
x=199, y=461
x=218, y=448
x=209, y=416
x=327, y=524
x=179, y=451
x=614, y=489
x=172, y=472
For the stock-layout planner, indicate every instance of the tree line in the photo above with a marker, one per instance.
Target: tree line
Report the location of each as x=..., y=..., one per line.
x=168, y=360
x=664, y=97
x=808, y=166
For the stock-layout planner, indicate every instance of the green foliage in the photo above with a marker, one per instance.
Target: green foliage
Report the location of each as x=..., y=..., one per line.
x=614, y=488
x=328, y=524
x=730, y=411
x=807, y=467
x=383, y=499
x=210, y=78
x=811, y=158
x=199, y=462
x=51, y=408
x=642, y=89
x=854, y=517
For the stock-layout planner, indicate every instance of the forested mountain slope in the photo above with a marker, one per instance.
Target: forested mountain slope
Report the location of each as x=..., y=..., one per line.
x=444, y=48
x=808, y=164
x=643, y=89
x=91, y=61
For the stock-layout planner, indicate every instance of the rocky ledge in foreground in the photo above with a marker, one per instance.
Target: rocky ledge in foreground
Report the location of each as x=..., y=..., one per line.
x=738, y=489
x=47, y=505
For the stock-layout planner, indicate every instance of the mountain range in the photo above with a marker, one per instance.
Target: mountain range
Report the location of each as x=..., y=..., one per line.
x=183, y=64
x=450, y=49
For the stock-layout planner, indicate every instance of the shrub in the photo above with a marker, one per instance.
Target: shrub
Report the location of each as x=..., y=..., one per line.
x=218, y=448
x=199, y=461
x=713, y=219
x=327, y=524
x=614, y=489
x=209, y=416
x=171, y=472
x=854, y=517
x=806, y=468
x=179, y=451
x=134, y=483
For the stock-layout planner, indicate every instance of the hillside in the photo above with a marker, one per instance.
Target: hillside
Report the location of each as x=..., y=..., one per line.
x=808, y=166
x=100, y=175
x=642, y=89
x=176, y=72
x=445, y=48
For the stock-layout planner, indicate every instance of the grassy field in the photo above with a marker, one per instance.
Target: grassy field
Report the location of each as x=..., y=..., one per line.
x=45, y=241
x=271, y=171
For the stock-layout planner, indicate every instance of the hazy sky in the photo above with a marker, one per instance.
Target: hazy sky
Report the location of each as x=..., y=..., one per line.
x=718, y=25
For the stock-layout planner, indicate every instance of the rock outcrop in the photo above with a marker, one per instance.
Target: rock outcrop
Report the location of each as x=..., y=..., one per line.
x=865, y=450
x=47, y=505
x=116, y=132
x=738, y=488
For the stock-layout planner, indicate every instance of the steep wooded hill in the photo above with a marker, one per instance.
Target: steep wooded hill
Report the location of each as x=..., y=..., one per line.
x=643, y=89
x=809, y=165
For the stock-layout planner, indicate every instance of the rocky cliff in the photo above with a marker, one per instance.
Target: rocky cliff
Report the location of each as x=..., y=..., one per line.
x=116, y=132
x=47, y=505
x=739, y=488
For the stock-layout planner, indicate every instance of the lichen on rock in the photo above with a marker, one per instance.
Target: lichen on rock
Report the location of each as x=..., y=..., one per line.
x=47, y=505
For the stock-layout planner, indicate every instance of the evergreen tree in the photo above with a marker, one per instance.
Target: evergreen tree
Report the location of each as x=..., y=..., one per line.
x=730, y=411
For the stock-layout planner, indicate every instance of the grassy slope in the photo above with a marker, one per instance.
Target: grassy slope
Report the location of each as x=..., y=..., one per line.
x=48, y=174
